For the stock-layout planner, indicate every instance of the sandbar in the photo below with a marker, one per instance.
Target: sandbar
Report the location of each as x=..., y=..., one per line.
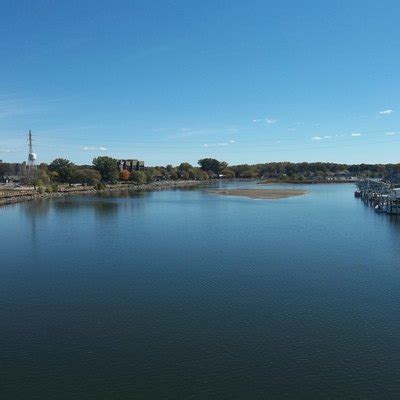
x=270, y=194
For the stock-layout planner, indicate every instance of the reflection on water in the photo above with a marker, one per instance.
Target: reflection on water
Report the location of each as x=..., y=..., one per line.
x=101, y=208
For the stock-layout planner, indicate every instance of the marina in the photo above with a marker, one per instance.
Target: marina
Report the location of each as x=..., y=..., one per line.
x=383, y=196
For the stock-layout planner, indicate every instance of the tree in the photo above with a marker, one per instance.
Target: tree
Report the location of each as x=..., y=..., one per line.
x=228, y=173
x=43, y=176
x=124, y=175
x=184, y=175
x=64, y=169
x=87, y=176
x=107, y=167
x=173, y=174
x=211, y=164
x=139, y=177
x=185, y=166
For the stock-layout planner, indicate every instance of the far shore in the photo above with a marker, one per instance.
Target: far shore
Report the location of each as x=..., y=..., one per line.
x=305, y=182
x=13, y=196
x=267, y=194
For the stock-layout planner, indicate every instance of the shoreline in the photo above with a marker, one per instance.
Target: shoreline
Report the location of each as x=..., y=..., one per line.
x=16, y=196
x=305, y=182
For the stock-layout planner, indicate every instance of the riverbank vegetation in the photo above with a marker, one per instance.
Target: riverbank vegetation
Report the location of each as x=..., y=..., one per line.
x=104, y=171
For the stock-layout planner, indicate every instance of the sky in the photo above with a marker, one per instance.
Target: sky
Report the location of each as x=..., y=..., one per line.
x=167, y=81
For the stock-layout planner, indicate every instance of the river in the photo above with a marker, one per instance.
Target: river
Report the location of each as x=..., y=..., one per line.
x=183, y=294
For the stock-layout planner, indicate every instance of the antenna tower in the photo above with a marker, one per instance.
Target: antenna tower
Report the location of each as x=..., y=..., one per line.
x=32, y=155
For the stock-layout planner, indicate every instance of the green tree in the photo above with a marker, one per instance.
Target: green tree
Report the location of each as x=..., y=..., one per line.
x=173, y=174
x=139, y=177
x=87, y=176
x=184, y=175
x=211, y=164
x=228, y=173
x=185, y=166
x=107, y=167
x=64, y=169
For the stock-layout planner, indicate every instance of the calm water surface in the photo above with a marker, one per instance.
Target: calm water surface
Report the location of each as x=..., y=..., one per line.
x=182, y=294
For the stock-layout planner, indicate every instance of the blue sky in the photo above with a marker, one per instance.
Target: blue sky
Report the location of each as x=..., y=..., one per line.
x=171, y=81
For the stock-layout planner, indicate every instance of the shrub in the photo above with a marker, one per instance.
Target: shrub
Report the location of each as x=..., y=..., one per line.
x=100, y=186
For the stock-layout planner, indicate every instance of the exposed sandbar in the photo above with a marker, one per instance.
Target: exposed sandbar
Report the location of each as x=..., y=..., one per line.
x=271, y=194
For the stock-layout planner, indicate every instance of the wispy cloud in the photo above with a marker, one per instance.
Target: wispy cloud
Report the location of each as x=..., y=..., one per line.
x=291, y=129
x=220, y=144
x=356, y=134
x=92, y=148
x=386, y=112
x=5, y=151
x=189, y=132
x=266, y=120
x=391, y=133
x=326, y=137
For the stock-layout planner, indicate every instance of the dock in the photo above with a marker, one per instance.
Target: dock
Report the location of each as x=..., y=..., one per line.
x=382, y=195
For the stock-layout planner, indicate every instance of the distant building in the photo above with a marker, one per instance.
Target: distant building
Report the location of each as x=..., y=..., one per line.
x=343, y=175
x=130, y=165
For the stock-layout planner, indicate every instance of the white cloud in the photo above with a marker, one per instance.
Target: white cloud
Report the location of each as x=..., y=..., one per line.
x=356, y=134
x=5, y=151
x=326, y=137
x=391, y=133
x=219, y=144
x=386, y=112
x=291, y=129
x=267, y=120
x=91, y=148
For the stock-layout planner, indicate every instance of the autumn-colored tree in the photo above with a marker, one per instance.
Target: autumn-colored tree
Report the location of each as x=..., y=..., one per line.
x=124, y=175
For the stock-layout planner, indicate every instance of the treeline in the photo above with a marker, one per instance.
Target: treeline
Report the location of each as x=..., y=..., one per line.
x=104, y=170
x=304, y=170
